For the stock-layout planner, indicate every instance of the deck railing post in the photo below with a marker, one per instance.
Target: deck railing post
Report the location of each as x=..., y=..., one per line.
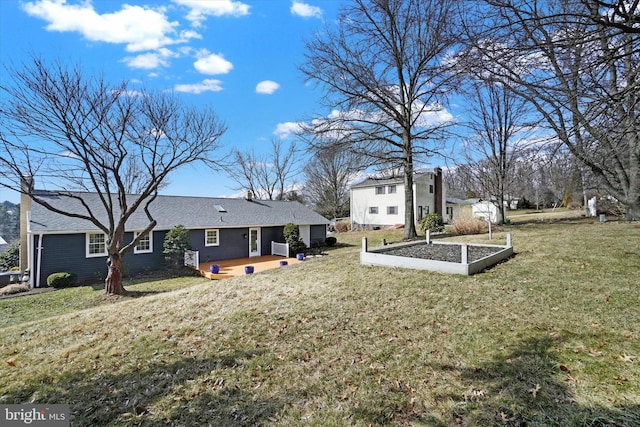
x=364, y=244
x=465, y=253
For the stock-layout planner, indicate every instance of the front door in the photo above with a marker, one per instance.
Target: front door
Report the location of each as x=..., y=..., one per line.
x=254, y=242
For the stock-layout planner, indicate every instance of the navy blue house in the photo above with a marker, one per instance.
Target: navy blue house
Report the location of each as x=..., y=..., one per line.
x=220, y=228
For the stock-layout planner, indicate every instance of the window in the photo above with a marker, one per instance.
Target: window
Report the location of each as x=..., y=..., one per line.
x=96, y=244
x=431, y=188
x=145, y=245
x=373, y=210
x=211, y=238
x=392, y=210
x=380, y=189
x=391, y=189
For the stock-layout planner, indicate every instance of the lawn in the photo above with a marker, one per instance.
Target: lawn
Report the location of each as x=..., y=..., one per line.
x=549, y=337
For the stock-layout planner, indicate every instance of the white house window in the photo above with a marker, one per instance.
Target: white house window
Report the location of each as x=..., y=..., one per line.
x=96, y=244
x=380, y=189
x=431, y=188
x=145, y=245
x=391, y=189
x=211, y=237
x=373, y=210
x=392, y=210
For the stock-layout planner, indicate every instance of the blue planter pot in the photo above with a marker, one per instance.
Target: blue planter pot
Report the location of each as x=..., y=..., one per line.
x=214, y=268
x=300, y=257
x=283, y=263
x=248, y=269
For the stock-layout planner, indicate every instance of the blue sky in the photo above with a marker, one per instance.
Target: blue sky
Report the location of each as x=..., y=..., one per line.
x=239, y=57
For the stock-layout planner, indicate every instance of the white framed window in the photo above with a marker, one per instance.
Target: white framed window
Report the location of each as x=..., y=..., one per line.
x=211, y=237
x=96, y=245
x=392, y=189
x=373, y=210
x=380, y=189
x=430, y=188
x=392, y=210
x=145, y=245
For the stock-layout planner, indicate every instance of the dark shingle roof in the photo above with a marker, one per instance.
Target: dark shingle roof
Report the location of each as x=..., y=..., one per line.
x=169, y=211
x=373, y=181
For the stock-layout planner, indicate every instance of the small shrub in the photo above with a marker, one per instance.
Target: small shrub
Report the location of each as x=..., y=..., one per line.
x=330, y=241
x=62, y=280
x=469, y=225
x=343, y=226
x=292, y=237
x=432, y=222
x=176, y=242
x=10, y=258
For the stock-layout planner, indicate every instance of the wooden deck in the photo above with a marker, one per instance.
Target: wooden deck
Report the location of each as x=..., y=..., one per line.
x=235, y=267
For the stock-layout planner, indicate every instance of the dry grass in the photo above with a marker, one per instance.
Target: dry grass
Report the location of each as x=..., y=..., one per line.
x=468, y=225
x=15, y=288
x=550, y=337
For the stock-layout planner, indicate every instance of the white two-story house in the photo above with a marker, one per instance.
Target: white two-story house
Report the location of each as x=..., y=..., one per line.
x=378, y=202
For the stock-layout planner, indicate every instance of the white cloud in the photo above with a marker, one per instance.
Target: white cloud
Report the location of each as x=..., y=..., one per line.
x=305, y=10
x=200, y=9
x=284, y=130
x=207, y=85
x=267, y=87
x=212, y=63
x=140, y=28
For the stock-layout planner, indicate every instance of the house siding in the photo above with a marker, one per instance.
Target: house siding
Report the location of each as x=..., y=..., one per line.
x=67, y=253
x=318, y=233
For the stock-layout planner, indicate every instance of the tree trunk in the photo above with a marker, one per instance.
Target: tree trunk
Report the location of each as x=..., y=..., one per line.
x=409, y=216
x=113, y=282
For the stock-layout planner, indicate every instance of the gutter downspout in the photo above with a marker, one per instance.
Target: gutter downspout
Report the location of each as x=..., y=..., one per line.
x=39, y=248
x=29, y=241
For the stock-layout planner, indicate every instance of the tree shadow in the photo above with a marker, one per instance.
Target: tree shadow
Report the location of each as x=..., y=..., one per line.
x=530, y=386
x=127, y=398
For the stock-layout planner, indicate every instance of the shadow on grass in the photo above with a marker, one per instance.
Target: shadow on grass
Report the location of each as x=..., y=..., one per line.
x=127, y=398
x=530, y=386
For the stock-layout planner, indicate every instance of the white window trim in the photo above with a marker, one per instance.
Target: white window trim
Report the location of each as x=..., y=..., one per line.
x=381, y=189
x=217, y=243
x=392, y=208
x=145, y=251
x=90, y=255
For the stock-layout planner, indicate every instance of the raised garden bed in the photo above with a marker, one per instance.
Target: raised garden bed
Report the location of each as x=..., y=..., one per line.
x=444, y=257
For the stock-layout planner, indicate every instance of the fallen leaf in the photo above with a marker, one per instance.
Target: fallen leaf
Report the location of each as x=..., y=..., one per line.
x=594, y=352
x=627, y=358
x=10, y=362
x=563, y=368
x=534, y=391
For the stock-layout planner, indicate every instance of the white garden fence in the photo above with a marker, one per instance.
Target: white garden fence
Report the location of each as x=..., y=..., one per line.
x=281, y=249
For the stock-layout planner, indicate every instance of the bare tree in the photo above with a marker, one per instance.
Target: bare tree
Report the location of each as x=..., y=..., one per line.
x=501, y=134
x=385, y=73
x=267, y=176
x=76, y=133
x=581, y=74
x=328, y=173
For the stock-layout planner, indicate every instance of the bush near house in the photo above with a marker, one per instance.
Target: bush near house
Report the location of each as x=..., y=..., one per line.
x=62, y=280
x=432, y=222
x=10, y=258
x=469, y=225
x=292, y=237
x=175, y=244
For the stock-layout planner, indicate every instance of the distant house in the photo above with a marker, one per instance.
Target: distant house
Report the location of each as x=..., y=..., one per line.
x=485, y=210
x=220, y=228
x=381, y=201
x=458, y=208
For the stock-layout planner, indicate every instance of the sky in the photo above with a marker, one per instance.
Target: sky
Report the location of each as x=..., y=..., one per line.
x=239, y=57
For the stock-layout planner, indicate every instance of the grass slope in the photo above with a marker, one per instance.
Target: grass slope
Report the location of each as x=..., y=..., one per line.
x=550, y=337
